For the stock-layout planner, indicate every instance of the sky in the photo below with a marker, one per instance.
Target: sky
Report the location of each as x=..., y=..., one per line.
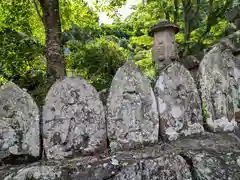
x=124, y=11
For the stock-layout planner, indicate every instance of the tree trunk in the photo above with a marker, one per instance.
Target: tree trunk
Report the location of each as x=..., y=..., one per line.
x=54, y=49
x=186, y=8
x=175, y=13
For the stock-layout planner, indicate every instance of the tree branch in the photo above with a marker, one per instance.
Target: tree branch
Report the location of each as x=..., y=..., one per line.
x=213, y=15
x=37, y=10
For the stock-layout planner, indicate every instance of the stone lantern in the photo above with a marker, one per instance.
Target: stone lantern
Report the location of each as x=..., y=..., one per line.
x=164, y=50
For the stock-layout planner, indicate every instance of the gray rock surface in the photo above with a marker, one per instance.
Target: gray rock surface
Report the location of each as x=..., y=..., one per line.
x=167, y=167
x=103, y=94
x=210, y=164
x=230, y=42
x=19, y=122
x=132, y=117
x=73, y=119
x=36, y=172
x=210, y=156
x=178, y=102
x=190, y=62
x=219, y=86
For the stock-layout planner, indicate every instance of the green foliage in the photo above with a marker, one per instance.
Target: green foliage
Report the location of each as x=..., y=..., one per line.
x=204, y=113
x=19, y=53
x=79, y=13
x=21, y=61
x=3, y=80
x=36, y=84
x=120, y=30
x=15, y=14
x=97, y=61
x=147, y=66
x=143, y=54
x=80, y=34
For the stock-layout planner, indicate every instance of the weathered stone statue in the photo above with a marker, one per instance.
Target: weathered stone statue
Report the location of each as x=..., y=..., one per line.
x=73, y=120
x=178, y=103
x=132, y=116
x=164, y=50
x=177, y=97
x=19, y=123
x=219, y=80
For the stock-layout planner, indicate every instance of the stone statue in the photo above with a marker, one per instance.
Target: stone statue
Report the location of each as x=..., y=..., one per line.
x=164, y=50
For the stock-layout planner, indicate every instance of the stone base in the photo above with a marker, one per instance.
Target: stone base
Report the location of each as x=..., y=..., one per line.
x=209, y=156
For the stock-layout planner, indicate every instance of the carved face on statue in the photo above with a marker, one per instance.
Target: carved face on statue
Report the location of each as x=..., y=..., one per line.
x=164, y=51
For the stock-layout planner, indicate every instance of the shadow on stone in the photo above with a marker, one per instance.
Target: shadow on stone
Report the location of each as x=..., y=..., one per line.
x=13, y=159
x=190, y=164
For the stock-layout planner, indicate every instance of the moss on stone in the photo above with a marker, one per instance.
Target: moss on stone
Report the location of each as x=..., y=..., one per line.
x=205, y=113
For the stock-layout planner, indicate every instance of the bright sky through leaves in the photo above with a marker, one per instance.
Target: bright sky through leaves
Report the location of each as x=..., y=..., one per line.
x=124, y=11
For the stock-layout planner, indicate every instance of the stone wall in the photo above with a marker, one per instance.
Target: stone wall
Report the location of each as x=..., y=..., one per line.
x=130, y=132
